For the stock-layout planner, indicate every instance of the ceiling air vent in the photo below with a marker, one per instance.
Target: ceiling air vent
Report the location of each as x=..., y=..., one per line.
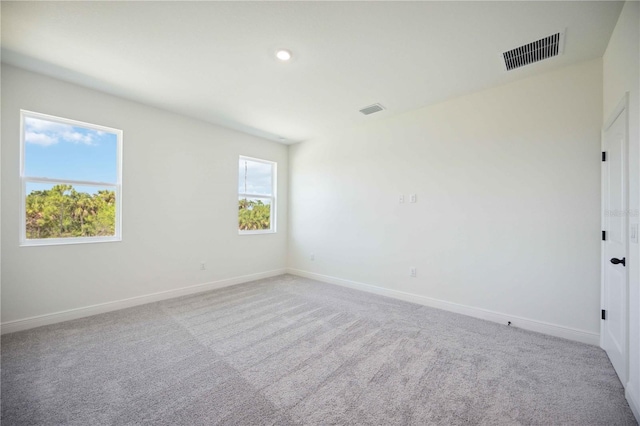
x=371, y=109
x=544, y=48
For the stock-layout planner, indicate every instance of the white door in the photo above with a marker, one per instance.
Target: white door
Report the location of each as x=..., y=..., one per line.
x=614, y=247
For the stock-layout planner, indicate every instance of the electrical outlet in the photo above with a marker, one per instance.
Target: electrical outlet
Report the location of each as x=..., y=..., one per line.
x=203, y=266
x=412, y=271
x=312, y=256
x=401, y=199
x=413, y=198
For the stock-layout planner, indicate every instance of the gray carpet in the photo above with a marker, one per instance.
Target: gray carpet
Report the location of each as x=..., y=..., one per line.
x=289, y=350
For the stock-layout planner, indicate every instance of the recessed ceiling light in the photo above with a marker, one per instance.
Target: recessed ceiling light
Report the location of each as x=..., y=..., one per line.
x=283, y=55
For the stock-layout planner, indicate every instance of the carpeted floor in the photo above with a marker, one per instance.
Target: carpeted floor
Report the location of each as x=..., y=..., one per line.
x=289, y=350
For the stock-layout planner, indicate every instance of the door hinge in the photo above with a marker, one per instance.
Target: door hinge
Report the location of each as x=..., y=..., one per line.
x=604, y=235
x=604, y=156
x=603, y=314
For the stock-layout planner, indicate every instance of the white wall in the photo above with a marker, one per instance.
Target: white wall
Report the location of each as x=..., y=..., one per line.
x=621, y=70
x=508, y=211
x=179, y=205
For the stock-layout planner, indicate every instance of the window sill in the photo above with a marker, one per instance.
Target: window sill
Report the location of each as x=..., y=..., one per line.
x=267, y=231
x=68, y=241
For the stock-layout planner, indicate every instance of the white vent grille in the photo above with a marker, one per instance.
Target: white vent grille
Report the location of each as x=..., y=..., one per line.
x=371, y=109
x=544, y=48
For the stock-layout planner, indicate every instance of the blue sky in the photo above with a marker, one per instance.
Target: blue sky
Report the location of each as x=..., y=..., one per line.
x=62, y=151
x=258, y=179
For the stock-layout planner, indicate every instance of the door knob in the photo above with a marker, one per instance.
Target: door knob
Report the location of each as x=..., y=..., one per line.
x=616, y=261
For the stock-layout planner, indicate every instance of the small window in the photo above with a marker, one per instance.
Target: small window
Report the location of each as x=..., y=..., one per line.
x=256, y=196
x=71, y=181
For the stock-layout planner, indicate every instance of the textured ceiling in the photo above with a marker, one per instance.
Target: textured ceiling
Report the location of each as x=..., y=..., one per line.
x=215, y=60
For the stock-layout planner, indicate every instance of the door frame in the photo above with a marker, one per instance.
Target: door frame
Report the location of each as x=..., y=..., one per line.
x=622, y=108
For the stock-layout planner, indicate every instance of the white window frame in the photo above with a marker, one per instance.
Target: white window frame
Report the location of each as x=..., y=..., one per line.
x=272, y=197
x=117, y=187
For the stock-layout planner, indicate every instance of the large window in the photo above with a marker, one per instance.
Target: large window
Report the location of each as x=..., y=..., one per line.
x=71, y=181
x=256, y=196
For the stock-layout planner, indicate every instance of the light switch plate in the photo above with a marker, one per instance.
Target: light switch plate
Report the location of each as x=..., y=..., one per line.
x=633, y=233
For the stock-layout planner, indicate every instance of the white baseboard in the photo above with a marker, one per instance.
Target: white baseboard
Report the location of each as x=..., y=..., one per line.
x=633, y=398
x=47, y=319
x=524, y=323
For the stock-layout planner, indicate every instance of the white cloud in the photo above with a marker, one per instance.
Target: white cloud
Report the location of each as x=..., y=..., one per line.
x=77, y=137
x=46, y=133
x=44, y=126
x=40, y=139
